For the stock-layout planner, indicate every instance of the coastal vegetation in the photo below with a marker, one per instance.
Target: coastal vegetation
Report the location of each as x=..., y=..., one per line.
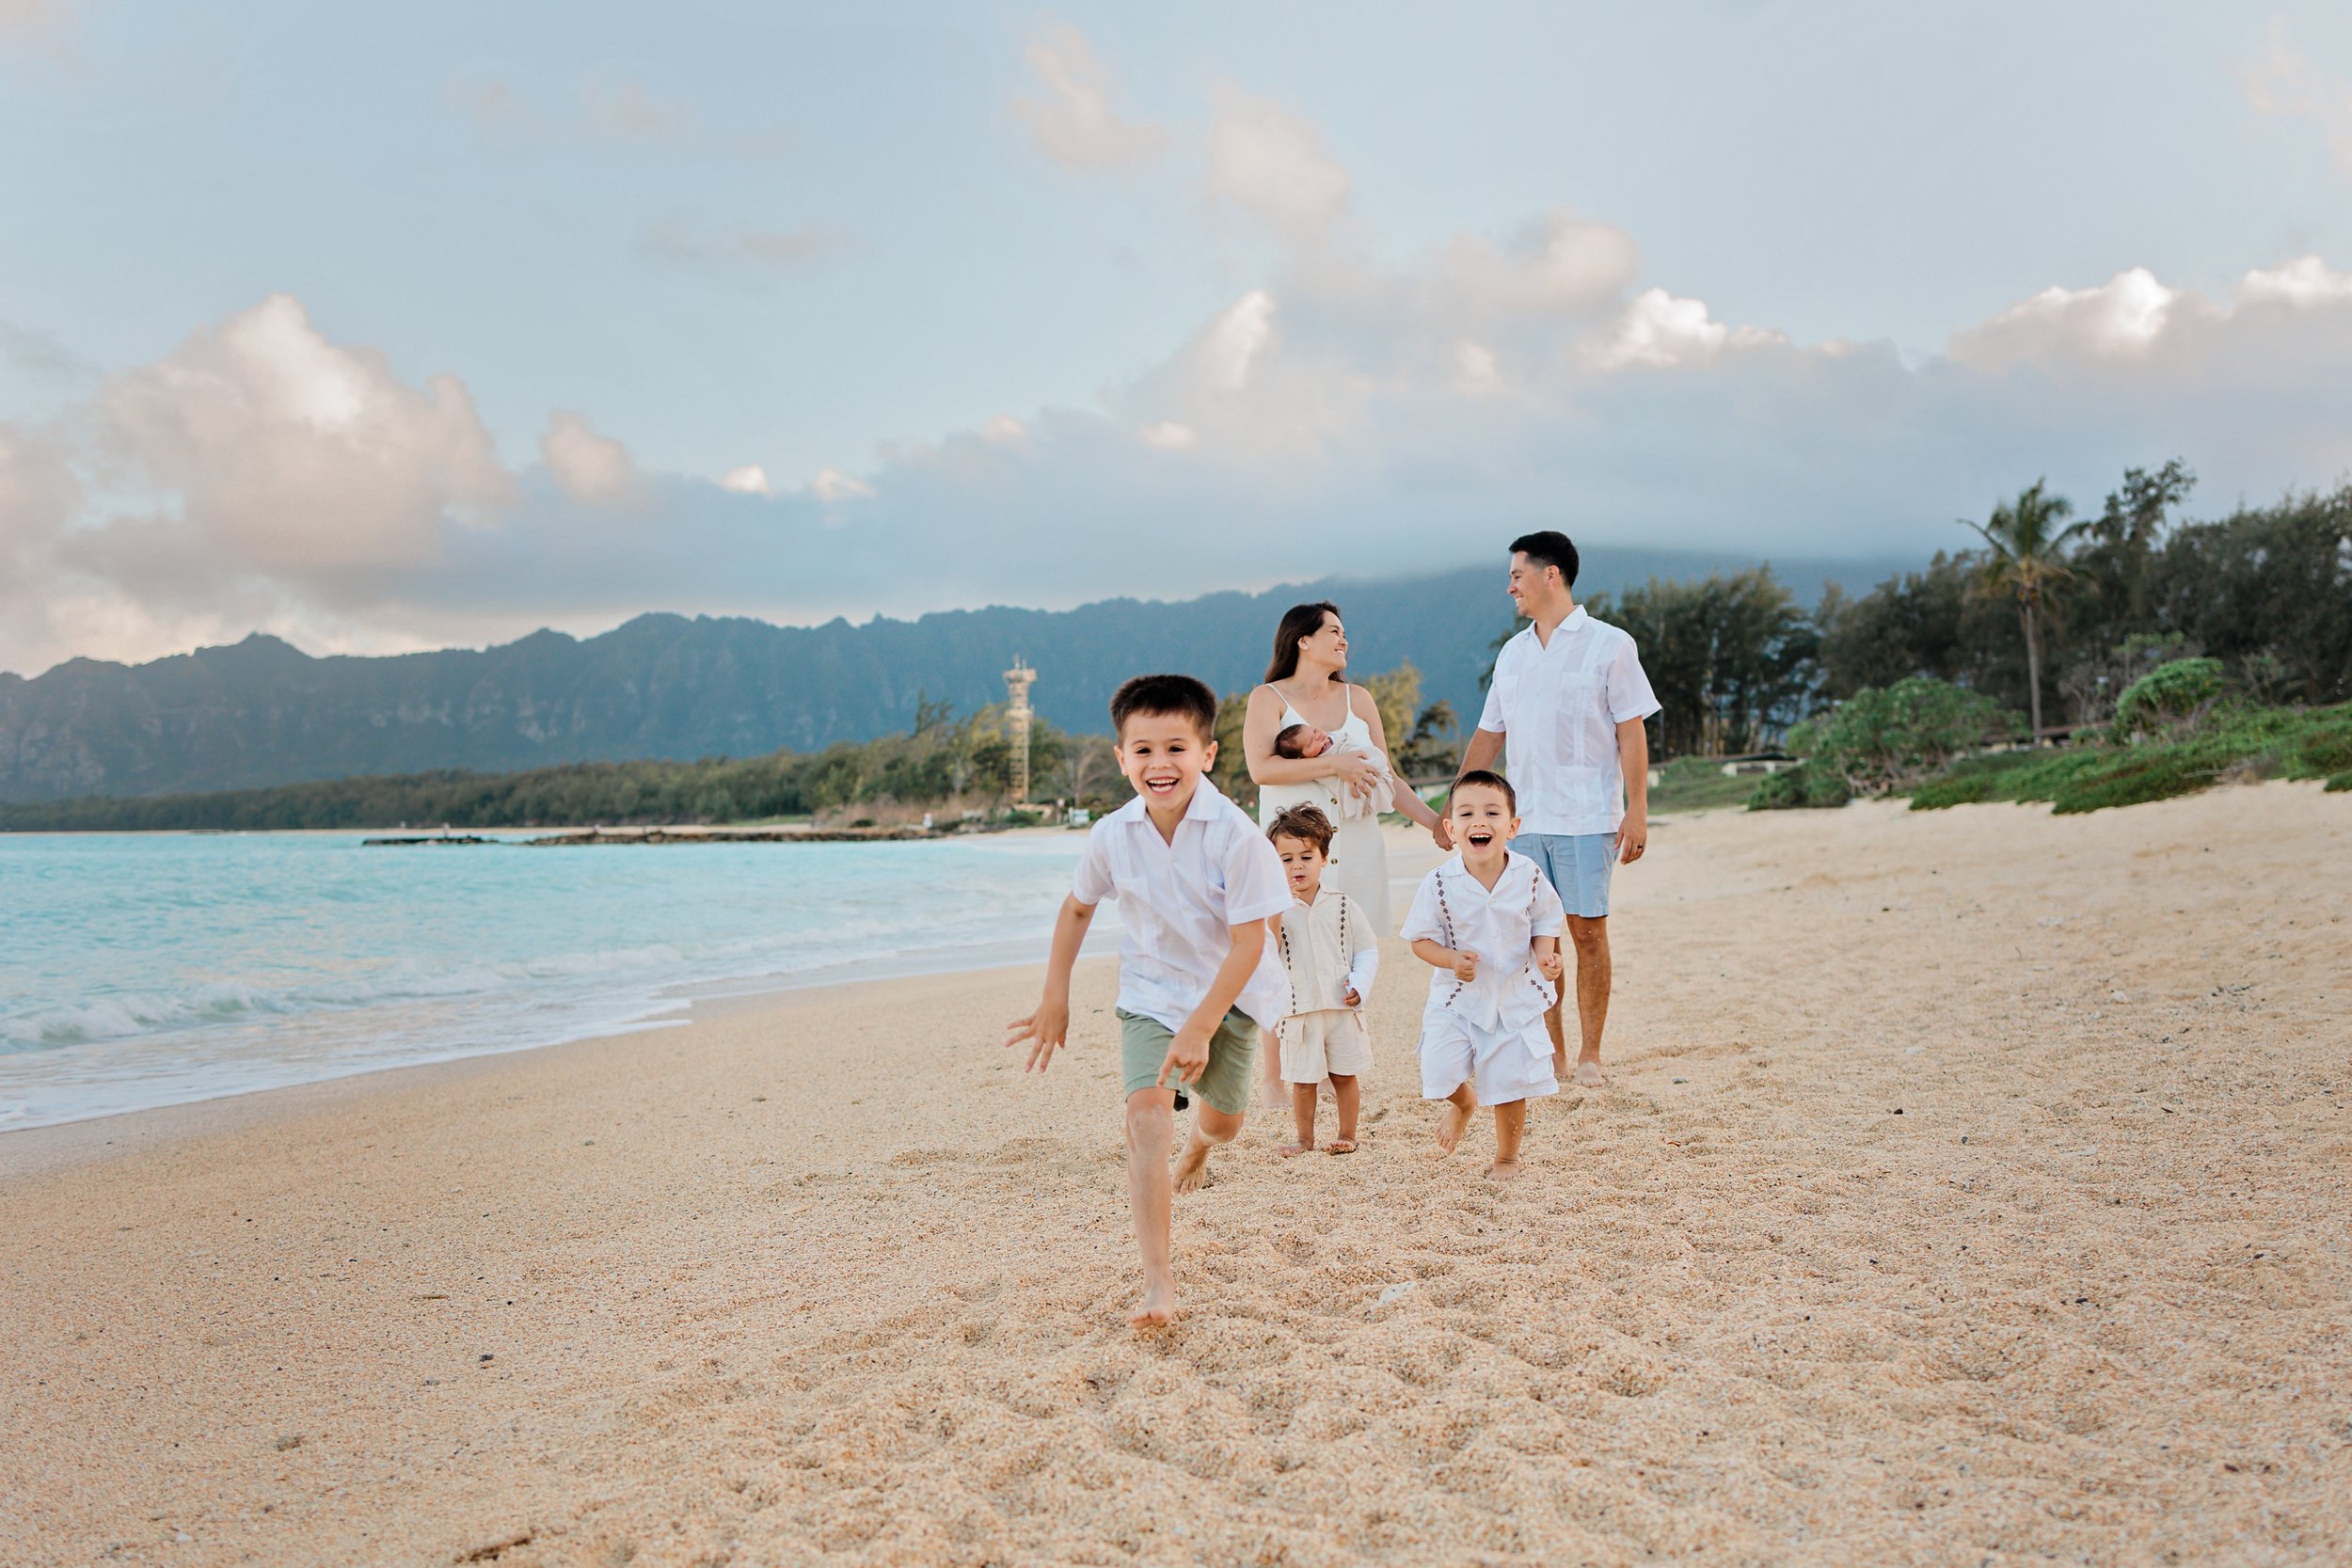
x=944, y=761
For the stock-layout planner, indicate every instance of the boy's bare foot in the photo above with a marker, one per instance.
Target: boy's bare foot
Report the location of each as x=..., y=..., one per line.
x=1588, y=1076
x=1157, y=1308
x=1450, y=1123
x=1339, y=1145
x=1286, y=1151
x=1504, y=1170
x=1192, y=1167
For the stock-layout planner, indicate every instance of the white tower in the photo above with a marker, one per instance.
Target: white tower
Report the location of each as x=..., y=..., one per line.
x=1017, y=683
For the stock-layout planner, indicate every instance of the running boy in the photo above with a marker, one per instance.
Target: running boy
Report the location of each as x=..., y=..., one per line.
x=1490, y=923
x=1195, y=882
x=1330, y=954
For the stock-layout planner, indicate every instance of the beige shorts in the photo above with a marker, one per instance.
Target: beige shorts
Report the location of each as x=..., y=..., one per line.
x=1316, y=1045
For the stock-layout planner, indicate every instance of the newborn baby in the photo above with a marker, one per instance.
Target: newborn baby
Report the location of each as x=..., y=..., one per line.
x=1300, y=742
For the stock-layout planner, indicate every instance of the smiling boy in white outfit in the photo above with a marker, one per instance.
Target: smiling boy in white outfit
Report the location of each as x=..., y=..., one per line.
x=1488, y=921
x=1195, y=881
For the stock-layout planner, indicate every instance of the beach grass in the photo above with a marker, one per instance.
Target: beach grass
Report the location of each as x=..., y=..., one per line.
x=2244, y=743
x=1698, y=784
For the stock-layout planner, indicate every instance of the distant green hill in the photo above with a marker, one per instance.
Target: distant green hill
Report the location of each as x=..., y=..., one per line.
x=262, y=713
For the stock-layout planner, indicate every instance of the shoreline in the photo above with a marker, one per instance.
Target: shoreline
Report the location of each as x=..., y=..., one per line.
x=49, y=1146
x=687, y=1001
x=1967, y=1182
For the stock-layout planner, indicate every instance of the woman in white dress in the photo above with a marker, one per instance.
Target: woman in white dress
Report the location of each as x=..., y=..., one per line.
x=1307, y=684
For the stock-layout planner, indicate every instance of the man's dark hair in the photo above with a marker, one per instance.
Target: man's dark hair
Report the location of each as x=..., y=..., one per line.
x=1165, y=694
x=1307, y=824
x=1549, y=547
x=1491, y=781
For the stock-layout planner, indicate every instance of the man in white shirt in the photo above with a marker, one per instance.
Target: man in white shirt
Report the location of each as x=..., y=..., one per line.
x=1570, y=696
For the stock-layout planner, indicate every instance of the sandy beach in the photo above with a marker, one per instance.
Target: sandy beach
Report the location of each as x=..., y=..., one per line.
x=1972, y=1190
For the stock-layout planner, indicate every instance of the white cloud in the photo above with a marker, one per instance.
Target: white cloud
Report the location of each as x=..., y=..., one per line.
x=1479, y=373
x=2306, y=280
x=285, y=453
x=1169, y=436
x=749, y=480
x=2120, y=319
x=1273, y=166
x=1658, y=328
x=592, y=470
x=1234, y=339
x=1002, y=428
x=2288, y=84
x=1073, y=123
x=832, y=484
x=1561, y=262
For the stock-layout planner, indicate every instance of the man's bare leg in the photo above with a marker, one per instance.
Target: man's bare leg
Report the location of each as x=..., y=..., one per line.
x=1510, y=1124
x=1210, y=1128
x=1455, y=1118
x=1151, y=1124
x=1302, y=1119
x=1350, y=1095
x=1591, y=941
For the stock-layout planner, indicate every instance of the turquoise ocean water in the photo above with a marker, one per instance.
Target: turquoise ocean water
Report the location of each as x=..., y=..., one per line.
x=140, y=970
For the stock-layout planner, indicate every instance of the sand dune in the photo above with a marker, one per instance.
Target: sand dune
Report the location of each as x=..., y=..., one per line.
x=1973, y=1189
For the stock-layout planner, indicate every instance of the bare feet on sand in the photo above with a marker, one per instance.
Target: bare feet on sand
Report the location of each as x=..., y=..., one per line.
x=1504, y=1170
x=1157, y=1308
x=1339, y=1145
x=1192, y=1169
x=1286, y=1151
x=1588, y=1076
x=1450, y=1123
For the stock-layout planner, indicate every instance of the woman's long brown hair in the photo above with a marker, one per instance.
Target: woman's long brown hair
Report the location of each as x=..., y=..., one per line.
x=1299, y=622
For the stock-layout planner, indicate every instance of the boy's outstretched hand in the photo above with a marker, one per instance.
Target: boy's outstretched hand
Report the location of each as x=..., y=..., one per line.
x=1188, y=1056
x=1044, y=1031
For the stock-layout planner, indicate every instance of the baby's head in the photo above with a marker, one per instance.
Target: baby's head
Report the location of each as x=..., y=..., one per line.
x=1302, y=837
x=1300, y=741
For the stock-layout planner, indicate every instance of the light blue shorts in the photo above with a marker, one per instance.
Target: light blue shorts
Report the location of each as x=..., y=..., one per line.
x=1578, y=865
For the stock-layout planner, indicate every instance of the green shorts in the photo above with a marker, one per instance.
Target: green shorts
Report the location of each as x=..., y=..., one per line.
x=1143, y=1044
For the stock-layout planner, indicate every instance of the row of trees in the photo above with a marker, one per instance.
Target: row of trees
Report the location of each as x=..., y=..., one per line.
x=2057, y=619
x=944, y=760
x=2049, y=615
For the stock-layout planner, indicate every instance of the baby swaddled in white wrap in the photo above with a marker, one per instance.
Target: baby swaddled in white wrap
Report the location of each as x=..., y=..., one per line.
x=1303, y=741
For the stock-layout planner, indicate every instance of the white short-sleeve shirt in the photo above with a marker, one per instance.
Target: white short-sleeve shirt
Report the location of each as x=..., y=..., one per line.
x=1179, y=900
x=1500, y=925
x=1558, y=707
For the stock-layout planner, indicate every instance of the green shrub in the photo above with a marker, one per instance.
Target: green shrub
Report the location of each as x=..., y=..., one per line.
x=1793, y=788
x=1879, y=740
x=2235, y=741
x=2168, y=696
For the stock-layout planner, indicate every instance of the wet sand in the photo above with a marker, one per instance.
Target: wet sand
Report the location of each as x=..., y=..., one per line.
x=1973, y=1188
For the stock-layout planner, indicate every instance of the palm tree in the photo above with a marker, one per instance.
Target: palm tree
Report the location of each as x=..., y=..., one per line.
x=2028, y=557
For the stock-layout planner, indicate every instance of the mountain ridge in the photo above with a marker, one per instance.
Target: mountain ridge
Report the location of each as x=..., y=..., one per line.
x=261, y=712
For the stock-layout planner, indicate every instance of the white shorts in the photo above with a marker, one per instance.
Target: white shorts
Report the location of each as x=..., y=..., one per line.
x=1316, y=1045
x=1500, y=1065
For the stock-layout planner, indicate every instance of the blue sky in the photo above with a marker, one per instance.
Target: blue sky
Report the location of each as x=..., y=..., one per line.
x=386, y=327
